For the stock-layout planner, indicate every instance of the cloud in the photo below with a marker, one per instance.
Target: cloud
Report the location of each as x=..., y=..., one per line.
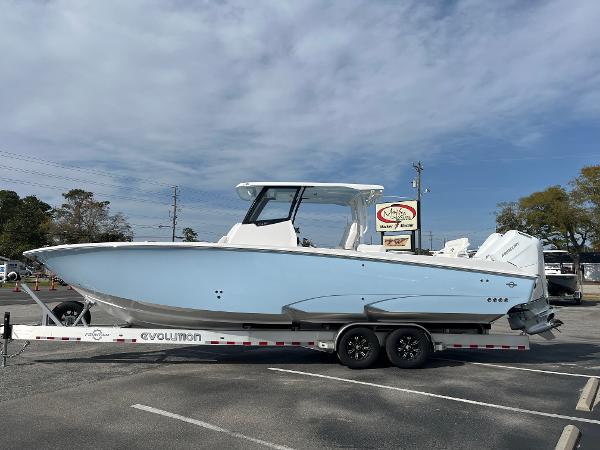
x=209, y=93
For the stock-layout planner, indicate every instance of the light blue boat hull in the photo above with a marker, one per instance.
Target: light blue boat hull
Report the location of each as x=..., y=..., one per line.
x=214, y=286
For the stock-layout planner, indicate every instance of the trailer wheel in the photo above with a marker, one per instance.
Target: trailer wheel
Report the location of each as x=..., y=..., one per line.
x=358, y=348
x=67, y=312
x=408, y=348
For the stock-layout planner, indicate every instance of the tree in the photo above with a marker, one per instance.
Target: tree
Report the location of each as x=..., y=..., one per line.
x=509, y=217
x=116, y=229
x=586, y=187
x=189, y=235
x=24, y=224
x=9, y=202
x=565, y=220
x=555, y=217
x=84, y=219
x=586, y=192
x=551, y=215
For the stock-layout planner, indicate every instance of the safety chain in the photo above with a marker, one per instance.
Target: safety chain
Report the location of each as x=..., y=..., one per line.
x=14, y=354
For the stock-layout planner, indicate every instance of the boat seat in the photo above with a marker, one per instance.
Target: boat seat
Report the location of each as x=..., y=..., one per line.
x=225, y=239
x=349, y=237
x=280, y=234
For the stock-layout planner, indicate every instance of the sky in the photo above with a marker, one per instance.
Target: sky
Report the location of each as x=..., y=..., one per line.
x=125, y=99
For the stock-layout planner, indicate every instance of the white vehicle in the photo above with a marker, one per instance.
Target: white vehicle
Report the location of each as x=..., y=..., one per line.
x=9, y=266
x=562, y=281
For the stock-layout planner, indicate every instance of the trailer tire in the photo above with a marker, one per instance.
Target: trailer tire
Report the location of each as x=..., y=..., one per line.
x=358, y=348
x=408, y=348
x=67, y=312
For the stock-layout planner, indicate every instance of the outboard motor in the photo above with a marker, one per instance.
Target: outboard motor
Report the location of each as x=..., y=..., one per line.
x=526, y=254
x=457, y=248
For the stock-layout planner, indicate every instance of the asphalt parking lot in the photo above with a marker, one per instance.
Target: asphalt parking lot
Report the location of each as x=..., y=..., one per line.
x=140, y=396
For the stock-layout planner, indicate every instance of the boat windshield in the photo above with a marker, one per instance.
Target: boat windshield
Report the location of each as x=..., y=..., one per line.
x=319, y=215
x=322, y=225
x=275, y=204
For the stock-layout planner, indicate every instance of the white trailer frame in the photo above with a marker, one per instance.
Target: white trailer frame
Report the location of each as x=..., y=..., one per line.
x=325, y=340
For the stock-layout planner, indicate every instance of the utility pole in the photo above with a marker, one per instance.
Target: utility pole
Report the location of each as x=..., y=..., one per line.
x=430, y=240
x=174, y=212
x=419, y=168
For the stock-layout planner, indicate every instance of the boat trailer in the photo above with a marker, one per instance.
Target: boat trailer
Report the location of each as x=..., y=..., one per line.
x=357, y=345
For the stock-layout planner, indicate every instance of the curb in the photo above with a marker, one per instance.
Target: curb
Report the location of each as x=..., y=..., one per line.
x=569, y=438
x=586, y=401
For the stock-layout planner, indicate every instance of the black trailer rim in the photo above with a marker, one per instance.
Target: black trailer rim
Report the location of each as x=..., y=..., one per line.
x=408, y=348
x=69, y=316
x=358, y=347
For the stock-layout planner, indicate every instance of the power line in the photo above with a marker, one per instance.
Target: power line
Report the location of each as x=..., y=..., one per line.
x=46, y=162
x=139, y=216
x=135, y=225
x=209, y=194
x=81, y=169
x=61, y=188
x=79, y=180
x=205, y=201
x=121, y=197
x=35, y=160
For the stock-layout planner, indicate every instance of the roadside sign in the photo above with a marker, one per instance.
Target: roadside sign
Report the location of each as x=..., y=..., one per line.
x=397, y=242
x=397, y=216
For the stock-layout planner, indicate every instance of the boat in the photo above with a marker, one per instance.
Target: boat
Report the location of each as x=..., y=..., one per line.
x=560, y=273
x=265, y=273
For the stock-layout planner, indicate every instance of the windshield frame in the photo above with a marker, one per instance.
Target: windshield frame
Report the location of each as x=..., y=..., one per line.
x=260, y=202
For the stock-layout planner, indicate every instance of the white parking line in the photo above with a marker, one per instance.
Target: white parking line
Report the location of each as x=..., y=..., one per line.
x=444, y=397
x=208, y=426
x=517, y=368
